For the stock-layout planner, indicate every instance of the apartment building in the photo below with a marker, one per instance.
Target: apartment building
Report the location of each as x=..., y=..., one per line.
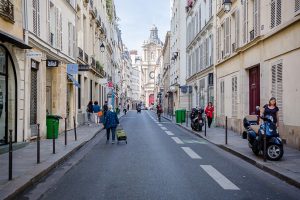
x=13, y=69
x=200, y=47
x=178, y=70
x=257, y=53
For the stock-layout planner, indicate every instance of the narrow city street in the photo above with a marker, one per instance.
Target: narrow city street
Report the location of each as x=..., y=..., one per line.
x=160, y=161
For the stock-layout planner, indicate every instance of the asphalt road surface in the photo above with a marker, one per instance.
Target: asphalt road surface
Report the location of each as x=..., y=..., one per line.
x=160, y=161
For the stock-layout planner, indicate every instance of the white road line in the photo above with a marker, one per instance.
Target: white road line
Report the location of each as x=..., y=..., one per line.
x=163, y=128
x=159, y=124
x=219, y=178
x=191, y=153
x=177, y=140
x=169, y=133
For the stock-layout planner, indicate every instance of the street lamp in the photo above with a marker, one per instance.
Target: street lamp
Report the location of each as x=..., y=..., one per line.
x=102, y=48
x=227, y=5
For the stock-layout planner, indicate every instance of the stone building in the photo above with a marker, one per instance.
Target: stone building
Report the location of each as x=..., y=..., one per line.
x=257, y=57
x=151, y=59
x=12, y=72
x=200, y=52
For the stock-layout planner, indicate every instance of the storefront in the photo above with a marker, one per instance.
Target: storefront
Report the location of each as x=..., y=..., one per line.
x=8, y=96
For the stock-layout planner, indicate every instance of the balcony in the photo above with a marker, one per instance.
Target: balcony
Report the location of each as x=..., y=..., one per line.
x=86, y=58
x=7, y=10
x=98, y=21
x=93, y=11
x=80, y=53
x=251, y=35
x=99, y=71
x=93, y=63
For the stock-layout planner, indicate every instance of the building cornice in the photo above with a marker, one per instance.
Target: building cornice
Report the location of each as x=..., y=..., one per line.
x=200, y=74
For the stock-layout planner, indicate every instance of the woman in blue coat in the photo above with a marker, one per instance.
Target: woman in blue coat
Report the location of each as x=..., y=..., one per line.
x=111, y=122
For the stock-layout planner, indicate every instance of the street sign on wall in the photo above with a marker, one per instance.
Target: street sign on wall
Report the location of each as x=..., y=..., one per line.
x=34, y=54
x=72, y=69
x=52, y=63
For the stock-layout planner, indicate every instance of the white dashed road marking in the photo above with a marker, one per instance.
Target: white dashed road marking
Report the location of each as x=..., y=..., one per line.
x=177, y=140
x=191, y=153
x=163, y=128
x=219, y=178
x=169, y=133
x=159, y=124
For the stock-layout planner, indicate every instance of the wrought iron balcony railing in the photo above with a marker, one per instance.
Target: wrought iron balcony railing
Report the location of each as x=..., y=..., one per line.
x=93, y=63
x=86, y=58
x=80, y=53
x=7, y=10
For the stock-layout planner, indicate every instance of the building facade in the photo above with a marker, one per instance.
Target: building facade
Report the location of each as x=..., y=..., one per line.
x=177, y=90
x=151, y=60
x=258, y=49
x=13, y=78
x=200, y=52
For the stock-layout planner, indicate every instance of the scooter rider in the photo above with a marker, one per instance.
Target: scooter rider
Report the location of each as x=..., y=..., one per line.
x=270, y=109
x=159, y=110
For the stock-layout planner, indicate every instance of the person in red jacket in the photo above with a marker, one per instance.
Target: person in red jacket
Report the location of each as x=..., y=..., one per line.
x=209, y=113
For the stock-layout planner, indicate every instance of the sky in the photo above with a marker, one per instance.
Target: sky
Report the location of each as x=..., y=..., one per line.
x=138, y=16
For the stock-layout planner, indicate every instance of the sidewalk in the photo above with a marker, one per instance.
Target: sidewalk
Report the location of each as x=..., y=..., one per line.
x=26, y=171
x=287, y=169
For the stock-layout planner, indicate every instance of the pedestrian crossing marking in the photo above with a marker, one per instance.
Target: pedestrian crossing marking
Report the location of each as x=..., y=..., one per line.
x=177, y=140
x=169, y=133
x=191, y=153
x=225, y=183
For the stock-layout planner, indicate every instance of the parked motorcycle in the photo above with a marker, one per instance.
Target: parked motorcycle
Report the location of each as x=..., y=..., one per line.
x=197, y=120
x=139, y=109
x=255, y=134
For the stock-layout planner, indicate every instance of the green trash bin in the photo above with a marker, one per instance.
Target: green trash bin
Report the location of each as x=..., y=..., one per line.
x=178, y=116
x=183, y=115
x=52, y=121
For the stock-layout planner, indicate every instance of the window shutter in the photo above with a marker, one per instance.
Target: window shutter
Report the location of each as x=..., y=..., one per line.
x=297, y=5
x=74, y=43
x=278, y=12
x=211, y=49
x=59, y=31
x=49, y=21
x=34, y=15
x=234, y=96
x=38, y=17
x=273, y=11
x=69, y=38
x=245, y=22
x=210, y=8
x=207, y=52
x=277, y=86
x=222, y=102
x=256, y=17
x=237, y=28
x=56, y=32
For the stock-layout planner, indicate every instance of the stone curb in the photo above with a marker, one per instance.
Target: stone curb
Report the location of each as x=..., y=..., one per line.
x=246, y=158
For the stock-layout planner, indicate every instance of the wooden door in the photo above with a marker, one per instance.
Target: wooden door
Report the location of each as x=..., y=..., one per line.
x=254, y=89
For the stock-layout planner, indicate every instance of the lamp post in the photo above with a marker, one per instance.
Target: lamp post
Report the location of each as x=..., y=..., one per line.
x=227, y=5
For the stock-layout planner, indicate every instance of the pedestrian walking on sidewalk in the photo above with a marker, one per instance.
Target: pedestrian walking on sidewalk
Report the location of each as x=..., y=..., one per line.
x=89, y=111
x=96, y=111
x=209, y=111
x=111, y=122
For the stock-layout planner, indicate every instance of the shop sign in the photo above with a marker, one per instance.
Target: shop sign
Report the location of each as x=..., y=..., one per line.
x=52, y=63
x=34, y=54
x=72, y=69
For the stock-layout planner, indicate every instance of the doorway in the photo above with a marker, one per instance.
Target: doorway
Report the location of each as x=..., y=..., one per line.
x=254, y=89
x=8, y=97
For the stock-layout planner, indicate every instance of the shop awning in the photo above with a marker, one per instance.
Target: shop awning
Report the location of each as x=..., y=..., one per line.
x=73, y=80
x=5, y=37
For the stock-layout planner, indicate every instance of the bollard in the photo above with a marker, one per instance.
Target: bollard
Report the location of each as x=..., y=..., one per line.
x=186, y=119
x=205, y=126
x=265, y=147
x=65, y=131
x=38, y=144
x=53, y=138
x=10, y=156
x=75, y=128
x=226, y=132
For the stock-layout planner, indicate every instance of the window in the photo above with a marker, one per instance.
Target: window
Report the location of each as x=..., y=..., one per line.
x=72, y=39
x=234, y=96
x=297, y=6
x=245, y=22
x=218, y=43
x=256, y=17
x=222, y=97
x=277, y=85
x=79, y=92
x=237, y=29
x=275, y=13
x=210, y=8
x=36, y=17
x=227, y=36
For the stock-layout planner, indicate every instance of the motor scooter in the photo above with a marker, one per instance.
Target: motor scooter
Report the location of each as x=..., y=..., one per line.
x=197, y=120
x=255, y=134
